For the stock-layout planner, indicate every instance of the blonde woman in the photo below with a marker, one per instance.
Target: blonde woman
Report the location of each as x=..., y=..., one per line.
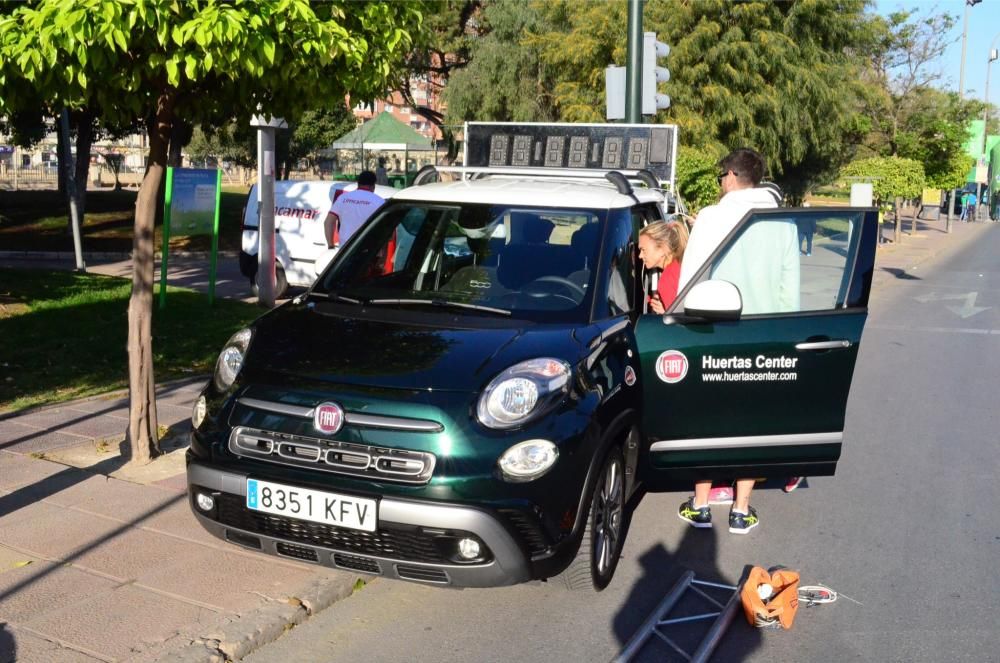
x=661, y=246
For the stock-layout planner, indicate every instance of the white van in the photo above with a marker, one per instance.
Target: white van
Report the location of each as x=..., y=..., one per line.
x=300, y=209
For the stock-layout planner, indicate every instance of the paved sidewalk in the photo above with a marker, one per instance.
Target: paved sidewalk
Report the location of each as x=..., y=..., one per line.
x=100, y=561
x=188, y=270
x=104, y=562
x=901, y=262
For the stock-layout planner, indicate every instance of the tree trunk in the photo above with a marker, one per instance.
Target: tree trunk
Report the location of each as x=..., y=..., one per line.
x=143, y=443
x=180, y=136
x=61, y=173
x=84, y=141
x=913, y=218
x=897, y=221
x=950, y=201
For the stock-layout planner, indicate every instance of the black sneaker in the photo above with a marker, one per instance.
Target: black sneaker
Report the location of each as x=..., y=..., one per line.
x=700, y=517
x=741, y=523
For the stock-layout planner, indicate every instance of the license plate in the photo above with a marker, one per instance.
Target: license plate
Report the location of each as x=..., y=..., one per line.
x=315, y=505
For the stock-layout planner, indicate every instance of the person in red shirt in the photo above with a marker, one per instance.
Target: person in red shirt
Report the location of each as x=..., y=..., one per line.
x=661, y=246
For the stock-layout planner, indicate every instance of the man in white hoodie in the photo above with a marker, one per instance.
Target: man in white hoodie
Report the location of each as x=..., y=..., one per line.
x=739, y=174
x=767, y=278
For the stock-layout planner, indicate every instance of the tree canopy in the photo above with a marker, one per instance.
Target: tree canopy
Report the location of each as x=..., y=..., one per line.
x=503, y=80
x=176, y=63
x=775, y=76
x=891, y=177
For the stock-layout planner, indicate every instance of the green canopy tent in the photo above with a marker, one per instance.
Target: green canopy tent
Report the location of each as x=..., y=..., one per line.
x=385, y=133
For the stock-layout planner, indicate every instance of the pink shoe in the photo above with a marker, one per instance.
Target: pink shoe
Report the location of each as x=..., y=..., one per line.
x=721, y=495
x=792, y=484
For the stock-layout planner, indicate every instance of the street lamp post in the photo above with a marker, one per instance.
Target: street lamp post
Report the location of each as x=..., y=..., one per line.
x=961, y=88
x=986, y=114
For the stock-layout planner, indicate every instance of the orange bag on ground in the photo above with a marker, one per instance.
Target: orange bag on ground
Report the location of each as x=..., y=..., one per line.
x=780, y=607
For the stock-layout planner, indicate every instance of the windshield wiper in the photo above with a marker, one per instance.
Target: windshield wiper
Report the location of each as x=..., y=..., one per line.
x=328, y=295
x=444, y=303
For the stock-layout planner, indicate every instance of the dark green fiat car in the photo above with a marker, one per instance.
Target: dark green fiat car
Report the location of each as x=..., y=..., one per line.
x=471, y=392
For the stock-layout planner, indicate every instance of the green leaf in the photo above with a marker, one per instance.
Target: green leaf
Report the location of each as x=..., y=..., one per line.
x=120, y=40
x=190, y=67
x=172, y=75
x=269, y=50
x=208, y=61
x=81, y=77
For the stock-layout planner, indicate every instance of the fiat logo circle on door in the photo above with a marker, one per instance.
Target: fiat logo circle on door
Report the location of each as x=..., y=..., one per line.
x=671, y=366
x=328, y=418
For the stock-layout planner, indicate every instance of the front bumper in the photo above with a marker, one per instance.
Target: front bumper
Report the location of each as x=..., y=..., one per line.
x=507, y=564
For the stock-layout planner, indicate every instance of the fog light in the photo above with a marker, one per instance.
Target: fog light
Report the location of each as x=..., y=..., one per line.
x=198, y=414
x=528, y=460
x=468, y=548
x=204, y=502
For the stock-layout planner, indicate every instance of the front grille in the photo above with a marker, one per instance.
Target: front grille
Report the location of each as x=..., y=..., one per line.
x=360, y=460
x=354, y=563
x=529, y=529
x=298, y=552
x=401, y=542
x=421, y=574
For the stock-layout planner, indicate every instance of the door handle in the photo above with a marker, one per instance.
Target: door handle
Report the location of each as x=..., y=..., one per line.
x=823, y=345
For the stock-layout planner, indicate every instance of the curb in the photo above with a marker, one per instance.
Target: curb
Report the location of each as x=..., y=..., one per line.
x=932, y=251
x=106, y=396
x=236, y=637
x=106, y=255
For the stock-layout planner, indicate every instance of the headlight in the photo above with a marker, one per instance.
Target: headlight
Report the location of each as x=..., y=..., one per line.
x=528, y=460
x=199, y=411
x=522, y=392
x=231, y=359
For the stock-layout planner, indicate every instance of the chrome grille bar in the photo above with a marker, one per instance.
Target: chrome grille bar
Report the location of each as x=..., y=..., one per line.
x=350, y=418
x=387, y=464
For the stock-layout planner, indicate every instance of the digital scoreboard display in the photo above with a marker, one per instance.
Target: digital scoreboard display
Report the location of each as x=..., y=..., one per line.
x=652, y=147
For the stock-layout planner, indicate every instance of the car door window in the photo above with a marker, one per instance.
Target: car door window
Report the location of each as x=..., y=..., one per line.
x=793, y=261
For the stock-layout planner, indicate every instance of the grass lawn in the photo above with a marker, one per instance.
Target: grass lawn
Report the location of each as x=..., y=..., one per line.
x=63, y=335
x=37, y=221
x=830, y=227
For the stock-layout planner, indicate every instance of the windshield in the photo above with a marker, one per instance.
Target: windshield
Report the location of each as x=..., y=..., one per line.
x=531, y=263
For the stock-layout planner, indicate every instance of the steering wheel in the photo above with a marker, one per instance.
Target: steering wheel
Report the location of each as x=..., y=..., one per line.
x=559, y=281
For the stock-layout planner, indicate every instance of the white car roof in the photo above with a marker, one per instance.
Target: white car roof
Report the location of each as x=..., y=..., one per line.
x=539, y=192
x=298, y=187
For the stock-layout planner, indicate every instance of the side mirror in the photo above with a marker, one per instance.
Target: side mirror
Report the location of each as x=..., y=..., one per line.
x=324, y=259
x=714, y=300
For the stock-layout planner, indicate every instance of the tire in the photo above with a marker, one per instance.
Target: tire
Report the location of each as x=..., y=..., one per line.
x=603, y=536
x=280, y=283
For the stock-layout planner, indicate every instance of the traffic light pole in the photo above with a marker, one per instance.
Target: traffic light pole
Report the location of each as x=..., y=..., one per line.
x=633, y=77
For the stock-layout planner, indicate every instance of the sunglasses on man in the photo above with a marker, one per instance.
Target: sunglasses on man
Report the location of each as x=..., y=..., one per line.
x=722, y=176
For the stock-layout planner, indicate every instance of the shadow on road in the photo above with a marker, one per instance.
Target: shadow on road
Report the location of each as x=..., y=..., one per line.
x=901, y=274
x=8, y=646
x=698, y=552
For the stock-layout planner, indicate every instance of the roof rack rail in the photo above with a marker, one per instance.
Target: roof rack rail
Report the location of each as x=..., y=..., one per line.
x=648, y=178
x=425, y=175
x=476, y=172
x=622, y=184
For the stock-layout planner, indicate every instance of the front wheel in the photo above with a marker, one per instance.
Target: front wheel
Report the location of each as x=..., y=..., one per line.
x=603, y=537
x=280, y=283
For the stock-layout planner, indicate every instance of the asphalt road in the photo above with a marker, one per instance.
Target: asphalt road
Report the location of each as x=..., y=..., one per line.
x=908, y=531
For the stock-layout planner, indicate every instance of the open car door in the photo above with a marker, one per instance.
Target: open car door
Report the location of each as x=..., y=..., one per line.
x=748, y=373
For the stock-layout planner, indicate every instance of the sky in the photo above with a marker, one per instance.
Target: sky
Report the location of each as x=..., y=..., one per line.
x=984, y=27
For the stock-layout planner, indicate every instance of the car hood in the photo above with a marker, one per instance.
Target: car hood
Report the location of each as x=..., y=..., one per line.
x=304, y=343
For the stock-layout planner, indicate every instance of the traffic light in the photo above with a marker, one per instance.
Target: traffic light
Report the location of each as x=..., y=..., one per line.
x=653, y=50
